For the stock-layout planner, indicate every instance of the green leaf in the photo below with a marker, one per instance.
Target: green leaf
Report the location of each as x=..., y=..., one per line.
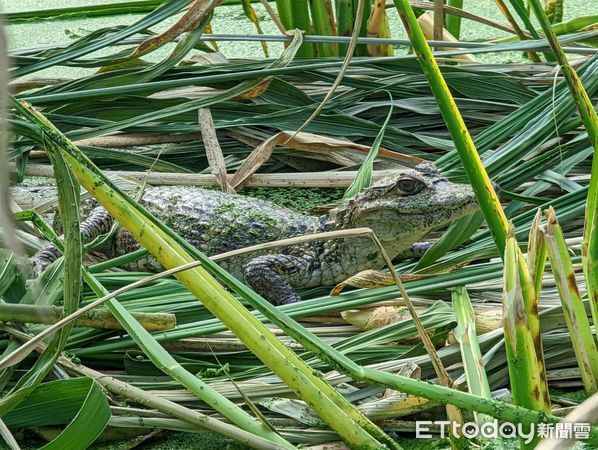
x=363, y=178
x=78, y=402
x=458, y=232
x=12, y=280
x=68, y=195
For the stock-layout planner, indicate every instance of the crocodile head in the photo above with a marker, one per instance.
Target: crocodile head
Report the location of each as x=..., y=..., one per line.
x=403, y=208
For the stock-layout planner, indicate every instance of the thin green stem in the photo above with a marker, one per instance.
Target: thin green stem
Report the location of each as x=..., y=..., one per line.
x=472, y=163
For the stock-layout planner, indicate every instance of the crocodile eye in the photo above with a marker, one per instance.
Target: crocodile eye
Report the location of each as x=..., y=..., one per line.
x=410, y=185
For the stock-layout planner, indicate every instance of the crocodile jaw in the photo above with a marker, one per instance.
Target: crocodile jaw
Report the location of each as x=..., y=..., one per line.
x=400, y=220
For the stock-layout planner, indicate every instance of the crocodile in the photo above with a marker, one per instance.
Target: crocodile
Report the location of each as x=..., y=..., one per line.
x=401, y=209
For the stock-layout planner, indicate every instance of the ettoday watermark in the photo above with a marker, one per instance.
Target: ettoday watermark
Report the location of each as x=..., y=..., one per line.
x=495, y=429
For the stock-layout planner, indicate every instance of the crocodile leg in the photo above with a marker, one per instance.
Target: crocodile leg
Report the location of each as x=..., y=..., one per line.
x=97, y=223
x=272, y=275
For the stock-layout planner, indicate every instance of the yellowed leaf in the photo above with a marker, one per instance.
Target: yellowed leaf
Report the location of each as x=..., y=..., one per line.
x=371, y=279
x=426, y=22
x=213, y=149
x=256, y=91
x=190, y=20
x=378, y=28
x=342, y=152
x=369, y=319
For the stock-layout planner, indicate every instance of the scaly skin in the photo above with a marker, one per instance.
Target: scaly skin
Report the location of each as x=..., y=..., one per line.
x=400, y=209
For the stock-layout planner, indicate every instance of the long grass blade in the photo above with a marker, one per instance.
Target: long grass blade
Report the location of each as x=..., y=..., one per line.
x=68, y=195
x=363, y=179
x=465, y=333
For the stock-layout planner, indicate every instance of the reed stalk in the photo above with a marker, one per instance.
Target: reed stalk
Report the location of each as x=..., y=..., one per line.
x=524, y=349
x=363, y=7
x=536, y=255
x=301, y=21
x=285, y=13
x=471, y=355
x=322, y=14
x=523, y=342
x=100, y=319
x=472, y=163
x=453, y=23
x=378, y=27
x=573, y=307
x=344, y=22
x=589, y=118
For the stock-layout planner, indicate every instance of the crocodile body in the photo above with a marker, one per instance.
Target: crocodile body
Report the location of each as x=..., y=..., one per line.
x=401, y=209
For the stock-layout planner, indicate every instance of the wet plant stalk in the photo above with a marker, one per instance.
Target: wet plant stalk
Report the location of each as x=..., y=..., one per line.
x=472, y=163
x=465, y=333
x=520, y=315
x=536, y=255
x=573, y=308
x=453, y=23
x=322, y=14
x=524, y=350
x=100, y=319
x=589, y=247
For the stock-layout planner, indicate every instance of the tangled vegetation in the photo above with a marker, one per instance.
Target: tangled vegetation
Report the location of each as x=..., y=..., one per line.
x=495, y=321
